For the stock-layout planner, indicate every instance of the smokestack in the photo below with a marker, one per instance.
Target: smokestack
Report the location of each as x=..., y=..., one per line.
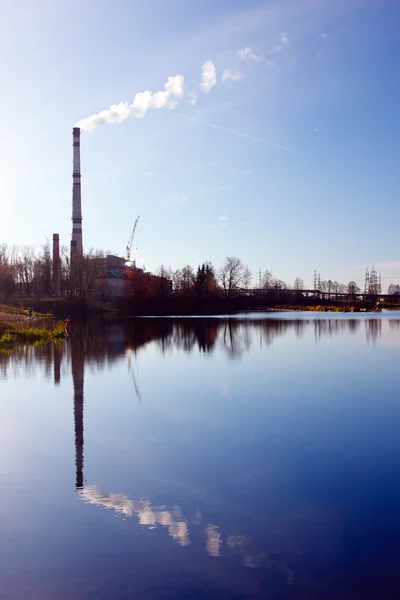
x=56, y=265
x=73, y=268
x=76, y=192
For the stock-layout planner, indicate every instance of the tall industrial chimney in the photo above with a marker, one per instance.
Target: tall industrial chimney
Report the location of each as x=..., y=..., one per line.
x=56, y=265
x=76, y=193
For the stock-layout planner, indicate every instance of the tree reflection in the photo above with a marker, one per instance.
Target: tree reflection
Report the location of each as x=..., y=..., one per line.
x=101, y=342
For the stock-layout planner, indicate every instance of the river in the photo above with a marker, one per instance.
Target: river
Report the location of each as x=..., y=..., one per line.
x=250, y=457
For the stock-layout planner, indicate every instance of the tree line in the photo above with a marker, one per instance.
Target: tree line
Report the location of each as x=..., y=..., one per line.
x=27, y=271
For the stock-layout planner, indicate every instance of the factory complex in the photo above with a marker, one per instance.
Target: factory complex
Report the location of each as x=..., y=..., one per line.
x=110, y=275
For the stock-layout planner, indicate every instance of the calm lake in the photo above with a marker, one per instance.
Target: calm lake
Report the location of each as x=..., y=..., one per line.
x=249, y=457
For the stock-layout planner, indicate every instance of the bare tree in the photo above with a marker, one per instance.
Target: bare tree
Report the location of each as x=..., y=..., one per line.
x=65, y=270
x=231, y=274
x=94, y=267
x=165, y=275
x=177, y=280
x=205, y=283
x=4, y=254
x=25, y=269
x=278, y=284
x=7, y=284
x=247, y=277
x=298, y=284
x=394, y=289
x=187, y=279
x=266, y=281
x=353, y=290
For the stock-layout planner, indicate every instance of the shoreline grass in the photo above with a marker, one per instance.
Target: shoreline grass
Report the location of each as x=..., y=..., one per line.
x=12, y=335
x=326, y=308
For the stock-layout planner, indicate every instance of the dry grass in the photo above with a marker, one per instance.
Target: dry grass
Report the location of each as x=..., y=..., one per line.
x=20, y=328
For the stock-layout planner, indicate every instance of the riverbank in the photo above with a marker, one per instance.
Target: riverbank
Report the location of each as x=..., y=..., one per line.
x=176, y=304
x=20, y=328
x=333, y=308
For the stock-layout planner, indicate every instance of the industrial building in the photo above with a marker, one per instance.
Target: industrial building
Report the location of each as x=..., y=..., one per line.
x=113, y=273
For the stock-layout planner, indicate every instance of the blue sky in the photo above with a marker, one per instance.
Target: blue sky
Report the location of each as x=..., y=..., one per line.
x=318, y=77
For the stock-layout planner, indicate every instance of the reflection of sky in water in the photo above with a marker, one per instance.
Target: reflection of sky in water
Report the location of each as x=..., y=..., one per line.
x=261, y=457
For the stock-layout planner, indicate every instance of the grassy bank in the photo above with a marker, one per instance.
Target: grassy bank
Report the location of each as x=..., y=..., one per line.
x=35, y=331
x=323, y=308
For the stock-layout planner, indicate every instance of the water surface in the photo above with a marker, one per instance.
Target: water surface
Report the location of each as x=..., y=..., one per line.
x=248, y=457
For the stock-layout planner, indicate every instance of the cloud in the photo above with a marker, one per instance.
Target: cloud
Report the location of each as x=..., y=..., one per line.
x=284, y=38
x=232, y=74
x=275, y=49
x=247, y=55
x=222, y=221
x=148, y=174
x=192, y=98
x=323, y=35
x=284, y=43
x=208, y=76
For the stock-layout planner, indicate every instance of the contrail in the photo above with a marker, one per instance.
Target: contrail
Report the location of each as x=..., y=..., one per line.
x=243, y=135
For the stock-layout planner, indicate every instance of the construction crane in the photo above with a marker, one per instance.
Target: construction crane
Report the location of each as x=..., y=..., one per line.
x=129, y=245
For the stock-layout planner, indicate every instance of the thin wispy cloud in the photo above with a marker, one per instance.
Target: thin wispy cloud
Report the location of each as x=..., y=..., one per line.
x=284, y=39
x=233, y=132
x=208, y=76
x=232, y=74
x=148, y=174
x=284, y=42
x=247, y=55
x=275, y=49
x=192, y=97
x=221, y=222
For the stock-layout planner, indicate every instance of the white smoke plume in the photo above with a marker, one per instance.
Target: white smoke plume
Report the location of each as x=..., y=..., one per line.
x=143, y=101
x=208, y=76
x=232, y=74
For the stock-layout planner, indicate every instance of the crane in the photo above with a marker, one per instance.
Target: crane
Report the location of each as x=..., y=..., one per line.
x=130, y=241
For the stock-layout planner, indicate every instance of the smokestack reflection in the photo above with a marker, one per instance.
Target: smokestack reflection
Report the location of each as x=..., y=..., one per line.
x=77, y=366
x=57, y=352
